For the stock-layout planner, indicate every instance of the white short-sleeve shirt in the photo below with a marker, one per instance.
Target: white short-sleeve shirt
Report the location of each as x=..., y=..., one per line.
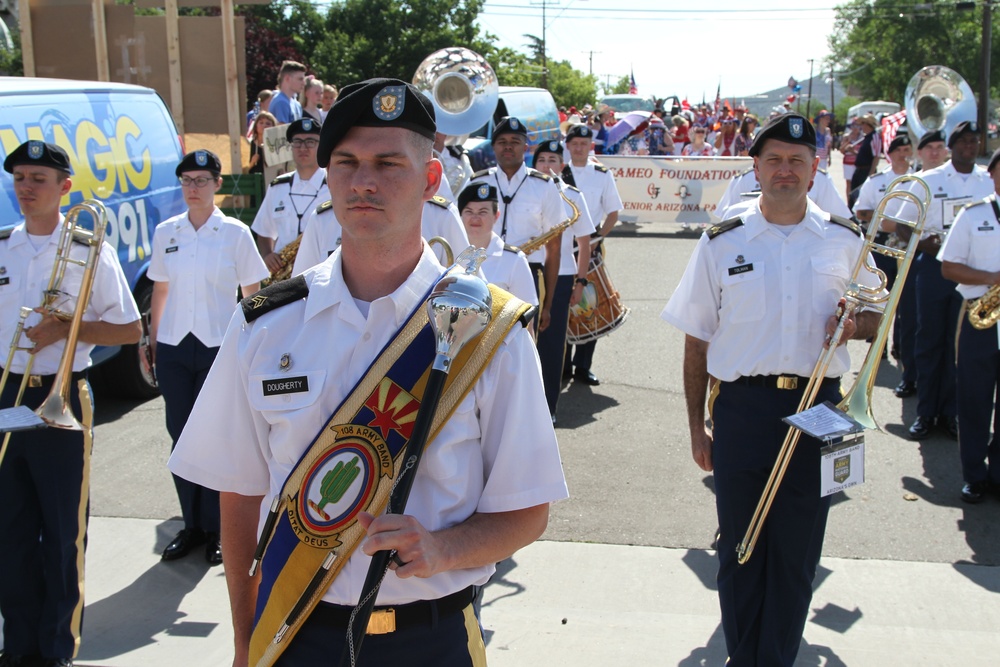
x=762, y=299
x=204, y=269
x=509, y=270
x=950, y=191
x=582, y=228
x=745, y=188
x=598, y=187
x=284, y=213
x=24, y=276
x=497, y=453
x=974, y=240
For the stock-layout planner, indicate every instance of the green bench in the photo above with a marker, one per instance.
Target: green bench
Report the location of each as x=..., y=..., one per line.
x=245, y=193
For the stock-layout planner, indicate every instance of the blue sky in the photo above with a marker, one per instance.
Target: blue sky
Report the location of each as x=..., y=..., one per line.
x=751, y=46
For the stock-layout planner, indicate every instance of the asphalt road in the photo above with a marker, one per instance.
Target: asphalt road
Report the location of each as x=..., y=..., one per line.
x=626, y=452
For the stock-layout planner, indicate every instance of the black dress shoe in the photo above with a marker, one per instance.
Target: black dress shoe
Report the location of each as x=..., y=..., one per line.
x=921, y=428
x=587, y=378
x=213, y=549
x=975, y=492
x=56, y=662
x=950, y=424
x=905, y=389
x=182, y=545
x=10, y=660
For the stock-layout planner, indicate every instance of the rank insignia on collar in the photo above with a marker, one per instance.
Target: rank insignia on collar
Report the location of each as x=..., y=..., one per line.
x=285, y=362
x=388, y=103
x=258, y=300
x=740, y=259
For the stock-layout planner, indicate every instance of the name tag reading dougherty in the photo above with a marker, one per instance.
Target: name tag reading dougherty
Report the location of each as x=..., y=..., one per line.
x=285, y=385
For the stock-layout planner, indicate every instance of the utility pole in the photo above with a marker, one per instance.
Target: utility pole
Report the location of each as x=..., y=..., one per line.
x=545, y=60
x=833, y=101
x=810, y=91
x=984, y=78
x=591, y=56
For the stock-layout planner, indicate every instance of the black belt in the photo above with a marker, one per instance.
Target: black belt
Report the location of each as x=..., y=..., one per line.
x=422, y=613
x=778, y=381
x=36, y=381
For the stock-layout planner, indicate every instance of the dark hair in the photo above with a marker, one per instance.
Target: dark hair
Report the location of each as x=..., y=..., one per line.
x=287, y=67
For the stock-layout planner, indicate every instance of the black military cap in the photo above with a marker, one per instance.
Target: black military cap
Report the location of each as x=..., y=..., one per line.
x=476, y=192
x=579, y=132
x=965, y=127
x=40, y=154
x=375, y=103
x=509, y=125
x=301, y=126
x=936, y=135
x=993, y=160
x=900, y=141
x=554, y=147
x=200, y=161
x=791, y=128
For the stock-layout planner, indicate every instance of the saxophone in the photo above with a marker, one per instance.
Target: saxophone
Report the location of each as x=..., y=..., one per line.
x=985, y=311
x=537, y=242
x=287, y=256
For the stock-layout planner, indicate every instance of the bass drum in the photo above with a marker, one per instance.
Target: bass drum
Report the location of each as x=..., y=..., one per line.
x=600, y=310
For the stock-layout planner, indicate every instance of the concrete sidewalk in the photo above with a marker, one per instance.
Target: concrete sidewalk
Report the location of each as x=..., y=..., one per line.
x=559, y=603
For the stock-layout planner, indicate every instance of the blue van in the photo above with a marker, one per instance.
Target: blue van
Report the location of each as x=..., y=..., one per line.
x=124, y=148
x=532, y=106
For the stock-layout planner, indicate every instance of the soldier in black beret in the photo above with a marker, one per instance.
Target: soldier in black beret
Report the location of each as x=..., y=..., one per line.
x=579, y=132
x=936, y=135
x=478, y=193
x=302, y=126
x=326, y=326
x=44, y=476
x=965, y=127
x=200, y=160
x=790, y=128
x=509, y=125
x=40, y=154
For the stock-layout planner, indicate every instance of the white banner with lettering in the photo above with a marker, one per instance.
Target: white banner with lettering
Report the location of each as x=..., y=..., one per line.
x=672, y=189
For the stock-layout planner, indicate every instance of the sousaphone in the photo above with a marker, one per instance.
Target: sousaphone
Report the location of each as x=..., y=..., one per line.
x=938, y=98
x=462, y=86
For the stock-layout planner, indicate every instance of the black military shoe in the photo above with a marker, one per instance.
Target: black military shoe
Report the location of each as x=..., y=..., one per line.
x=9, y=660
x=213, y=549
x=921, y=428
x=182, y=545
x=975, y=492
x=950, y=425
x=587, y=378
x=56, y=662
x=905, y=389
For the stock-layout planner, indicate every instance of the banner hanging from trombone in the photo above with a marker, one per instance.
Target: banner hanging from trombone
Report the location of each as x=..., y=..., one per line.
x=672, y=189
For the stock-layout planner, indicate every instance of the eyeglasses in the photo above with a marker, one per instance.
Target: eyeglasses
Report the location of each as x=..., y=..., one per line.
x=200, y=182
x=305, y=143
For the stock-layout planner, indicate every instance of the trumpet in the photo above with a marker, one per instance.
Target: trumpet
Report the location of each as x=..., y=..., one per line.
x=533, y=244
x=55, y=410
x=857, y=402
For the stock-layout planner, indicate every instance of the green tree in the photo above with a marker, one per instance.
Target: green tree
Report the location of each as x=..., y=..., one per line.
x=881, y=44
x=571, y=87
x=621, y=87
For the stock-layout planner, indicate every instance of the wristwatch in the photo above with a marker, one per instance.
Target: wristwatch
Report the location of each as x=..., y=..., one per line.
x=582, y=281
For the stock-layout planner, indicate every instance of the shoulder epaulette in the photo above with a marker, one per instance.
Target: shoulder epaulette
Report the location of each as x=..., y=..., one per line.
x=745, y=172
x=274, y=296
x=844, y=222
x=601, y=168
x=438, y=200
x=723, y=227
x=538, y=174
x=511, y=248
x=987, y=200
x=5, y=233
x=823, y=171
x=325, y=206
x=284, y=178
x=479, y=174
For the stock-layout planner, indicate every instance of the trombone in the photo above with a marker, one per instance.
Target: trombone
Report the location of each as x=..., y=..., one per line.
x=55, y=411
x=857, y=402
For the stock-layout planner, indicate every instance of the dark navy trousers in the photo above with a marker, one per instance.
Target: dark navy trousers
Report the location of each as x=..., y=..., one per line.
x=905, y=331
x=44, y=508
x=181, y=371
x=938, y=305
x=552, y=342
x=765, y=601
x=978, y=413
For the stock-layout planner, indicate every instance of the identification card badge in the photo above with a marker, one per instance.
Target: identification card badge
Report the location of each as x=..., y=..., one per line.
x=842, y=465
x=950, y=209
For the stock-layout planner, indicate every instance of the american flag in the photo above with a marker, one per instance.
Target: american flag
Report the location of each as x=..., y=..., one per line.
x=718, y=98
x=632, y=89
x=890, y=126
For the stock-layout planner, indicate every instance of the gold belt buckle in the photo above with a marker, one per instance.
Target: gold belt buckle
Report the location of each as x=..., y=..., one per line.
x=788, y=382
x=382, y=622
x=34, y=381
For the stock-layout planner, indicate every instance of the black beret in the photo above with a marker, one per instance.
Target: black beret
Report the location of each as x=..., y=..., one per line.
x=936, y=135
x=301, y=126
x=965, y=127
x=994, y=159
x=375, y=103
x=475, y=193
x=791, y=128
x=554, y=147
x=200, y=161
x=579, y=132
x=40, y=154
x=900, y=141
x=509, y=125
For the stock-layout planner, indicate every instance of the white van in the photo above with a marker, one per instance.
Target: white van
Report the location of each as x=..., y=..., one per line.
x=532, y=106
x=878, y=108
x=123, y=147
